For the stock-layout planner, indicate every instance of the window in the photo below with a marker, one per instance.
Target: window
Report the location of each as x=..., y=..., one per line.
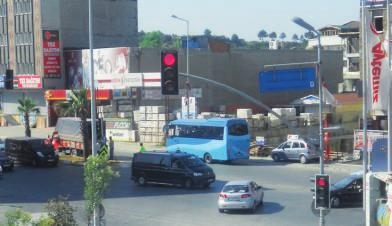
x=152, y=159
x=295, y=145
x=199, y=132
x=236, y=188
x=238, y=130
x=287, y=145
x=302, y=145
x=165, y=161
x=379, y=23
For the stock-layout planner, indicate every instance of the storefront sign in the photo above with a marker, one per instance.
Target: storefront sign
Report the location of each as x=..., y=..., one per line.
x=155, y=94
x=118, y=124
x=51, y=51
x=120, y=134
x=119, y=80
x=29, y=81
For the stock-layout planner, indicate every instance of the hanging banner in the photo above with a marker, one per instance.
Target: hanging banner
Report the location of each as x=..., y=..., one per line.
x=51, y=52
x=378, y=74
x=29, y=81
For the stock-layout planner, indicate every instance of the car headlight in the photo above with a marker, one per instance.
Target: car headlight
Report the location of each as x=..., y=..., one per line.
x=40, y=154
x=197, y=174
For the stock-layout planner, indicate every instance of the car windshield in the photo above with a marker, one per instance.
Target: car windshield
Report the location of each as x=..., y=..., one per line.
x=344, y=182
x=236, y=188
x=192, y=161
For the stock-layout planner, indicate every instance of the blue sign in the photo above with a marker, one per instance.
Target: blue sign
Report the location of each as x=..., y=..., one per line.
x=286, y=80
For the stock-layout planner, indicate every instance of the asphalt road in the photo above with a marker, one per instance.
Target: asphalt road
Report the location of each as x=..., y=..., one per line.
x=287, y=196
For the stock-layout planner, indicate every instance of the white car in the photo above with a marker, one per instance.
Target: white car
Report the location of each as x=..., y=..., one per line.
x=240, y=195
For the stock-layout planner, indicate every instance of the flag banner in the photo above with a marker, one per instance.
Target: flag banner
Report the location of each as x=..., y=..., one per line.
x=378, y=73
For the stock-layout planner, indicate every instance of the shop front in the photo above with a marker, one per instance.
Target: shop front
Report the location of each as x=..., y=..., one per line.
x=56, y=98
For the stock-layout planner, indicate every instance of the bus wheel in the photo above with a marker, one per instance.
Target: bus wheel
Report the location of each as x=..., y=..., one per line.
x=207, y=158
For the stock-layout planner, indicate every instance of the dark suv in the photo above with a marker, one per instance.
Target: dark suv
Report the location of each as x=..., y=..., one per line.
x=6, y=162
x=171, y=168
x=30, y=150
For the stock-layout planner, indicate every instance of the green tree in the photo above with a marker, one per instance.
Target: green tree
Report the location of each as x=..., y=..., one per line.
x=295, y=38
x=79, y=105
x=98, y=175
x=207, y=32
x=272, y=35
x=27, y=106
x=17, y=217
x=282, y=35
x=152, y=39
x=262, y=34
x=309, y=35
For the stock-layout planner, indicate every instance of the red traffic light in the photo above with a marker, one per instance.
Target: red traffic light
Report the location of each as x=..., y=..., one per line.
x=169, y=59
x=321, y=182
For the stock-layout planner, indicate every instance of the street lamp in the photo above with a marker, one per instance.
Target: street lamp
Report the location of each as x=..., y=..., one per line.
x=187, y=61
x=300, y=22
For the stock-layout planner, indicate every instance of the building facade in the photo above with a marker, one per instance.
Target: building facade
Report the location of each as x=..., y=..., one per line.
x=345, y=38
x=35, y=33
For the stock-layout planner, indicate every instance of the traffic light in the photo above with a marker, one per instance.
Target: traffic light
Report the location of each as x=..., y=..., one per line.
x=9, y=79
x=169, y=72
x=322, y=199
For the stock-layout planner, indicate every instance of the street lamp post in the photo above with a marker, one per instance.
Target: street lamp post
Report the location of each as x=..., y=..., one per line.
x=310, y=28
x=187, y=83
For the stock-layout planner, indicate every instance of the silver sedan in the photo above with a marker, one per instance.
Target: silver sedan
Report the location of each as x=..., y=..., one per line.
x=240, y=195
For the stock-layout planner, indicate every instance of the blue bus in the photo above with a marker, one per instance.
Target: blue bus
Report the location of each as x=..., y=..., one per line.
x=222, y=139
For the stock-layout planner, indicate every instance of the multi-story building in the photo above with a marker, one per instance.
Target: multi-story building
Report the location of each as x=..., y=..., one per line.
x=34, y=34
x=345, y=38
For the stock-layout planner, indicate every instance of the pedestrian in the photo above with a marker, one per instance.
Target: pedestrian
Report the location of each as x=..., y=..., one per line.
x=111, y=148
x=142, y=149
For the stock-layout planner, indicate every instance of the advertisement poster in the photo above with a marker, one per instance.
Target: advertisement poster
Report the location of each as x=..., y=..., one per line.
x=377, y=63
x=29, y=81
x=107, y=62
x=51, y=52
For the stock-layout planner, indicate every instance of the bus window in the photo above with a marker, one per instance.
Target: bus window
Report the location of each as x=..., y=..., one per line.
x=199, y=132
x=238, y=130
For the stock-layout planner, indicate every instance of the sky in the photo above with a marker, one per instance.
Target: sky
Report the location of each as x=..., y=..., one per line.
x=243, y=17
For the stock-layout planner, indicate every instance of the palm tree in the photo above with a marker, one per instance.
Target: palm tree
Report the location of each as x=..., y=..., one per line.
x=273, y=35
x=262, y=34
x=282, y=35
x=78, y=105
x=27, y=106
x=295, y=38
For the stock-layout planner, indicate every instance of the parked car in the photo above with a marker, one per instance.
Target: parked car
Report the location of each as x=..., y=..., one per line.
x=348, y=191
x=294, y=150
x=171, y=168
x=31, y=150
x=6, y=162
x=240, y=195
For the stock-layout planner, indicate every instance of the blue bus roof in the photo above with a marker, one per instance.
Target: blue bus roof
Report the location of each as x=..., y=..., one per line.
x=206, y=122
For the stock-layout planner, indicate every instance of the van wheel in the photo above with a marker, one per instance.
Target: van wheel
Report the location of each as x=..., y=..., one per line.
x=188, y=183
x=303, y=159
x=207, y=158
x=275, y=157
x=141, y=181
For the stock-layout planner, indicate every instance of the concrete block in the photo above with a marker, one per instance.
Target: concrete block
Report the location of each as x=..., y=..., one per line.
x=143, y=109
x=162, y=117
x=158, y=109
x=136, y=116
x=244, y=113
x=142, y=116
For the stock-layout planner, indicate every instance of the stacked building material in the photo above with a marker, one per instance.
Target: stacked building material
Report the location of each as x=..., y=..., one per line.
x=152, y=119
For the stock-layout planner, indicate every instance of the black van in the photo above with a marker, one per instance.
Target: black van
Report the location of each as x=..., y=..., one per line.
x=30, y=150
x=171, y=168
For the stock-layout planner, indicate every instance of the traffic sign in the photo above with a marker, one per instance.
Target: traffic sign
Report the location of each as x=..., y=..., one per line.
x=286, y=80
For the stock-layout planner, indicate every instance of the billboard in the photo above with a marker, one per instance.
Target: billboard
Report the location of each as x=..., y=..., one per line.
x=51, y=52
x=108, y=62
x=287, y=80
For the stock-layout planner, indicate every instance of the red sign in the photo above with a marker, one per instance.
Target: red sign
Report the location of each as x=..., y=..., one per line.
x=51, y=50
x=62, y=94
x=29, y=81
